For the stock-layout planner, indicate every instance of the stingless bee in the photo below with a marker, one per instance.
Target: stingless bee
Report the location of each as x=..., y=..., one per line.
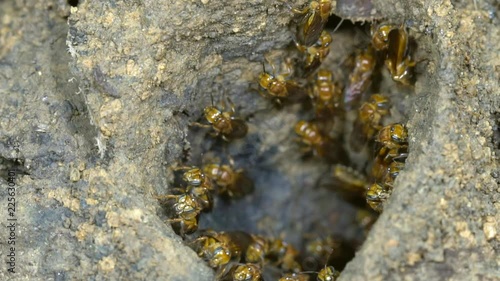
x=376, y=195
x=230, y=182
x=283, y=255
x=398, y=61
x=360, y=76
x=318, y=143
x=243, y=272
x=224, y=123
x=393, y=136
x=312, y=22
x=326, y=95
x=369, y=120
x=187, y=210
x=280, y=86
x=315, y=54
x=194, y=199
x=380, y=36
x=328, y=273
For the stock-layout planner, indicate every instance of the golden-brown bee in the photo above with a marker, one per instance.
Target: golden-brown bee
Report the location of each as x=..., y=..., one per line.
x=385, y=157
x=376, y=195
x=380, y=36
x=320, y=250
x=399, y=62
x=326, y=95
x=393, y=136
x=280, y=86
x=360, y=77
x=312, y=137
x=187, y=209
x=257, y=249
x=243, y=272
x=328, y=273
x=295, y=277
x=369, y=120
x=220, y=248
x=224, y=123
x=316, y=53
x=313, y=20
x=283, y=255
x=199, y=187
x=319, y=144
x=231, y=183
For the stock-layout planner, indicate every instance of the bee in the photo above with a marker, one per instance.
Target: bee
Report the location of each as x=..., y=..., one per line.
x=393, y=136
x=376, y=196
x=220, y=248
x=199, y=187
x=321, y=249
x=326, y=95
x=243, y=272
x=398, y=61
x=318, y=143
x=385, y=157
x=328, y=273
x=224, y=123
x=283, y=255
x=369, y=120
x=380, y=36
x=312, y=23
x=231, y=183
x=360, y=77
x=295, y=277
x=280, y=86
x=316, y=53
x=187, y=209
x=257, y=249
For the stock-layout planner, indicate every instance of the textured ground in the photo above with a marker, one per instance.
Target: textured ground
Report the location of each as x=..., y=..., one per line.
x=99, y=104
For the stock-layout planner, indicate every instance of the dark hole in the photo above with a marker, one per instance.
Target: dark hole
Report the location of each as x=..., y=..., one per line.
x=73, y=3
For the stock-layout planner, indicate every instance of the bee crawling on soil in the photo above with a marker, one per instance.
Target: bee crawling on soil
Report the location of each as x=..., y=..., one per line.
x=369, y=120
x=318, y=143
x=388, y=163
x=328, y=273
x=316, y=53
x=326, y=95
x=220, y=248
x=398, y=61
x=283, y=255
x=312, y=21
x=192, y=200
x=224, y=123
x=361, y=76
x=187, y=210
x=281, y=86
x=393, y=136
x=230, y=182
x=243, y=272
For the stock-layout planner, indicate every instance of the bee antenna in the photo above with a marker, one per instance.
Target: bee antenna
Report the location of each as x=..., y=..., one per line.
x=338, y=25
x=263, y=67
x=212, y=98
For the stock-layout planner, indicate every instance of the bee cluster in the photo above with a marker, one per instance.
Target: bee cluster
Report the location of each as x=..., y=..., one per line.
x=238, y=255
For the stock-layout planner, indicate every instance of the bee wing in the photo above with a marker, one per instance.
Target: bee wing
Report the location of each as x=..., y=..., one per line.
x=310, y=28
x=240, y=129
x=296, y=92
x=398, y=42
x=244, y=186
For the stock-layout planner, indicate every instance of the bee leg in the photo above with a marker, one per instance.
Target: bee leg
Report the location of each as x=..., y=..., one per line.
x=166, y=197
x=196, y=124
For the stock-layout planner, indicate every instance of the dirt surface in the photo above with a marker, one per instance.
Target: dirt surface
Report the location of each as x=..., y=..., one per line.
x=99, y=98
